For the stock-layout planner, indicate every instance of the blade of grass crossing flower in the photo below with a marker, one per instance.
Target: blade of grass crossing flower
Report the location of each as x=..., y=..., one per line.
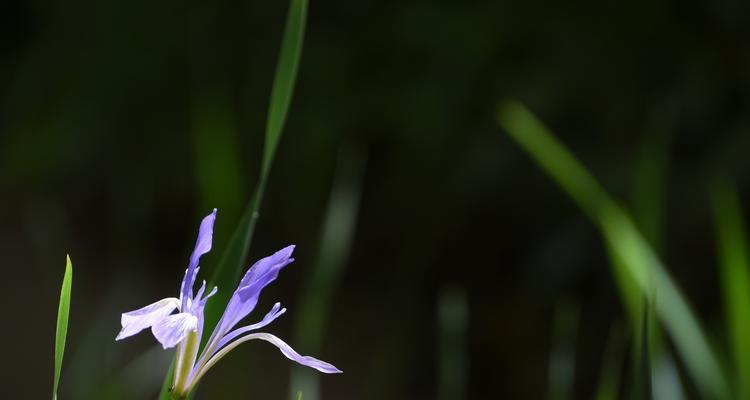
x=299, y=395
x=286, y=75
x=731, y=242
x=227, y=272
x=626, y=243
x=61, y=332
x=231, y=264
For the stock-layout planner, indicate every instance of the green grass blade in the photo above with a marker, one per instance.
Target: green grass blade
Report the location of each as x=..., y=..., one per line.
x=230, y=266
x=234, y=259
x=642, y=365
x=283, y=82
x=609, y=380
x=731, y=242
x=61, y=333
x=299, y=395
x=337, y=235
x=626, y=244
x=650, y=174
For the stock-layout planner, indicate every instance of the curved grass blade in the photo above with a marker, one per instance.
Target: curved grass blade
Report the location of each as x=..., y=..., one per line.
x=232, y=262
x=61, y=333
x=230, y=266
x=626, y=243
x=731, y=242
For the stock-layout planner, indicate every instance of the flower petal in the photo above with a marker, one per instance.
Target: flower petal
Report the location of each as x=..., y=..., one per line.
x=245, y=298
x=287, y=350
x=171, y=330
x=275, y=312
x=135, y=321
x=202, y=246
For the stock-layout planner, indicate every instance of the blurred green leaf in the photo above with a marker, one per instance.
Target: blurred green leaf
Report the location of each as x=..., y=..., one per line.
x=337, y=235
x=299, y=395
x=453, y=359
x=642, y=365
x=627, y=245
x=650, y=173
x=562, y=360
x=731, y=241
x=61, y=333
x=609, y=380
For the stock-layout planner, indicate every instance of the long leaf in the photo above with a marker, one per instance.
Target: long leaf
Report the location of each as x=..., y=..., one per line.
x=61, y=333
x=234, y=259
x=642, y=365
x=609, y=378
x=731, y=241
x=230, y=266
x=626, y=243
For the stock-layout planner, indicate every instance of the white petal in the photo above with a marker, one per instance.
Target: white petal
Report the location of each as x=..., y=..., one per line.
x=135, y=321
x=171, y=330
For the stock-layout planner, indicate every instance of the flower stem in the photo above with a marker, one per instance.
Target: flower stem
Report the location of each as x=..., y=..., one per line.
x=185, y=361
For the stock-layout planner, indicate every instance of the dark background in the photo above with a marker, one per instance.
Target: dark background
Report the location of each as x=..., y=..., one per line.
x=123, y=123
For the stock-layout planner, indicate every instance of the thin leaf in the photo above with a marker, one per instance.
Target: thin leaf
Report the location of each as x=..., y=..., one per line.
x=731, y=241
x=299, y=395
x=626, y=244
x=609, y=380
x=337, y=235
x=642, y=365
x=234, y=259
x=61, y=333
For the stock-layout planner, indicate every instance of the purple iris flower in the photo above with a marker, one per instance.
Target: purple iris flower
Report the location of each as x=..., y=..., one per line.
x=184, y=328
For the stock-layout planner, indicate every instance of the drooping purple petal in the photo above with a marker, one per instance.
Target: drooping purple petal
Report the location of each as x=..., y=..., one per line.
x=289, y=352
x=171, y=330
x=285, y=349
x=245, y=298
x=135, y=321
x=202, y=246
x=275, y=312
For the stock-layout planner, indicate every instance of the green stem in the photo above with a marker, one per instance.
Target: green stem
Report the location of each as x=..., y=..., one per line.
x=185, y=361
